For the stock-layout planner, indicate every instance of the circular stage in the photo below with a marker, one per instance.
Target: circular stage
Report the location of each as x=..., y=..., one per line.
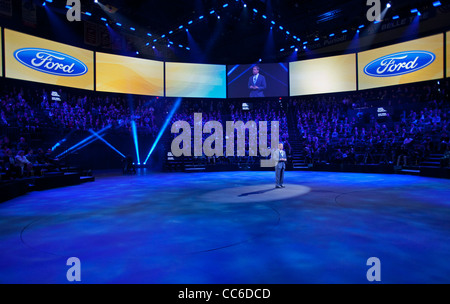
x=231, y=227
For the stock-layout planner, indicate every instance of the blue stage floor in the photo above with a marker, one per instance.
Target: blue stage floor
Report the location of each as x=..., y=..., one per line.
x=231, y=227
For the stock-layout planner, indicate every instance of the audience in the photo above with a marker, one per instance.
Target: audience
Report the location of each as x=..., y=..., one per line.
x=331, y=128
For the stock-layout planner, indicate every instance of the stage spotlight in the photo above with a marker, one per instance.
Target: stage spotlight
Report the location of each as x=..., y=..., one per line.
x=388, y=5
x=58, y=144
x=437, y=3
x=395, y=17
x=161, y=132
x=107, y=143
x=83, y=143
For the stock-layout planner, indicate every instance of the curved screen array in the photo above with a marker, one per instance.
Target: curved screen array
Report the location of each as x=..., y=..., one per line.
x=274, y=80
x=325, y=75
x=40, y=60
x=408, y=62
x=35, y=59
x=1, y=54
x=448, y=52
x=120, y=74
x=195, y=80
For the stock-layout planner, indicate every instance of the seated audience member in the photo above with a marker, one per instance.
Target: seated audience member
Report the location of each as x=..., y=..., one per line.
x=10, y=166
x=22, y=145
x=24, y=164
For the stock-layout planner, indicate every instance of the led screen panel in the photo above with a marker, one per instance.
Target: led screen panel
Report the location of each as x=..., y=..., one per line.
x=407, y=62
x=448, y=54
x=323, y=75
x=195, y=80
x=1, y=54
x=271, y=81
x=128, y=75
x=40, y=60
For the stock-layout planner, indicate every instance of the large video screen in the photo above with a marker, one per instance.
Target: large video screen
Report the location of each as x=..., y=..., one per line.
x=195, y=80
x=1, y=53
x=40, y=60
x=323, y=75
x=448, y=54
x=128, y=75
x=260, y=80
x=408, y=62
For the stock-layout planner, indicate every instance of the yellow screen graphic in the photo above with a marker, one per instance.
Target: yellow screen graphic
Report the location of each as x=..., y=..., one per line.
x=40, y=60
x=195, y=80
x=324, y=75
x=448, y=54
x=407, y=62
x=1, y=54
x=121, y=74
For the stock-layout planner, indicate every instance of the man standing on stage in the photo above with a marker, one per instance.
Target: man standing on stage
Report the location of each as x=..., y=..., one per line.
x=256, y=83
x=279, y=156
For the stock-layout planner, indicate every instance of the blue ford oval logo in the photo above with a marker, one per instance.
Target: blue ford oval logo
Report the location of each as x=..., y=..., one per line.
x=399, y=63
x=50, y=62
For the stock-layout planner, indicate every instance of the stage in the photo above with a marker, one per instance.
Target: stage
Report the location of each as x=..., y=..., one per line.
x=230, y=227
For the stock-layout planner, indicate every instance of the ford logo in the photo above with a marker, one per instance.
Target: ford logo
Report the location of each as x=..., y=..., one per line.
x=50, y=62
x=399, y=63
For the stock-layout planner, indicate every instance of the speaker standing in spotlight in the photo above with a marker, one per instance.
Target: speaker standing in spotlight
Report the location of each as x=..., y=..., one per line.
x=279, y=157
x=256, y=83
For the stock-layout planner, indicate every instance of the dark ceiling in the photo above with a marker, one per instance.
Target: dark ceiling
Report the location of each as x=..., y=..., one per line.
x=242, y=34
x=231, y=31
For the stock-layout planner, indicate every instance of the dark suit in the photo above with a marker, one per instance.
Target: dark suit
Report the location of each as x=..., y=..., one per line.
x=260, y=83
x=280, y=166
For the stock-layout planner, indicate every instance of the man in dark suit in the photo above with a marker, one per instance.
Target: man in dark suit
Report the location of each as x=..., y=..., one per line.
x=279, y=157
x=256, y=83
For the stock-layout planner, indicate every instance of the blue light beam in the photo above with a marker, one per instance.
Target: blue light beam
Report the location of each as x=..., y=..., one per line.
x=107, y=143
x=164, y=127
